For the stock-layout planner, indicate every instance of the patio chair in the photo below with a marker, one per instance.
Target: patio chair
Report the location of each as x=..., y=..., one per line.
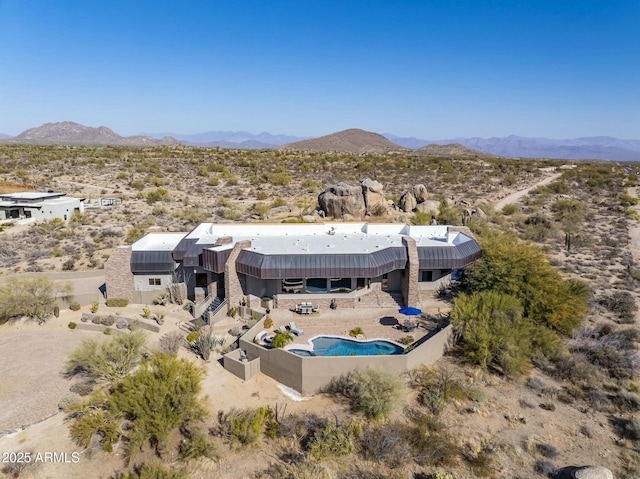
x=283, y=329
x=294, y=329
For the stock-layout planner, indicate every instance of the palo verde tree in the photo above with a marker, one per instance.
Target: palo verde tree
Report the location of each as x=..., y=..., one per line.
x=107, y=360
x=520, y=269
x=144, y=408
x=160, y=397
x=33, y=297
x=493, y=331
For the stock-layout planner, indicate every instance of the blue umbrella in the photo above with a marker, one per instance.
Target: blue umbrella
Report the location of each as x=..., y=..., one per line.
x=410, y=311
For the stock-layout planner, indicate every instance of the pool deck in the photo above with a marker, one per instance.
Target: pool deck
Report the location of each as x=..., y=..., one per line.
x=376, y=323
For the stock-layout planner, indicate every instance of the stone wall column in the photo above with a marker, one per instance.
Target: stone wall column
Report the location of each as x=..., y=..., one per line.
x=117, y=274
x=232, y=285
x=410, y=289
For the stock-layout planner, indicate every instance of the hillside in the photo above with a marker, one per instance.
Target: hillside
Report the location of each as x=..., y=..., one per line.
x=347, y=141
x=70, y=133
x=453, y=149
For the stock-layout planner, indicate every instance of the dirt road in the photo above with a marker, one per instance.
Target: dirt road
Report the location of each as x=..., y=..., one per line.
x=514, y=197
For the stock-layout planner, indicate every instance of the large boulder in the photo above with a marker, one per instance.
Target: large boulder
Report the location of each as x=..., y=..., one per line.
x=408, y=202
x=342, y=199
x=584, y=472
x=420, y=192
x=374, y=200
x=428, y=206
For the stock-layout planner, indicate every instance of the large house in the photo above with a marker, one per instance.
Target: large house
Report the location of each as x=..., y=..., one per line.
x=35, y=206
x=348, y=264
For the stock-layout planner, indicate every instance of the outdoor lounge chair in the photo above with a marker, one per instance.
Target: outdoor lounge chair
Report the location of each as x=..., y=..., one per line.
x=294, y=329
x=283, y=329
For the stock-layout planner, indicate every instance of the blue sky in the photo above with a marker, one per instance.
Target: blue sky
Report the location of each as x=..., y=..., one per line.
x=432, y=69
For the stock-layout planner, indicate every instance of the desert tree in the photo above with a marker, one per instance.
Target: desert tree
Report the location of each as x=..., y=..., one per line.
x=107, y=360
x=33, y=297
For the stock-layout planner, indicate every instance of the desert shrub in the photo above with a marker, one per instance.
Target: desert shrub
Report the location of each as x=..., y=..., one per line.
x=68, y=400
x=480, y=460
x=406, y=340
x=75, y=306
x=72, y=325
x=170, y=342
x=83, y=388
x=151, y=471
x=356, y=331
x=421, y=218
x=621, y=303
x=430, y=441
x=161, y=396
x=162, y=299
x=14, y=467
x=24, y=296
x=107, y=360
x=281, y=339
x=509, y=209
x=331, y=441
x=371, y=392
x=197, y=445
x=386, y=443
x=244, y=427
x=268, y=323
x=193, y=336
x=547, y=450
x=56, y=311
x=493, y=332
x=628, y=428
x=94, y=307
x=117, y=302
x=159, y=194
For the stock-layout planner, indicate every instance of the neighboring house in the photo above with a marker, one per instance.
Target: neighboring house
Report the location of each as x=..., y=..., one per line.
x=37, y=206
x=349, y=264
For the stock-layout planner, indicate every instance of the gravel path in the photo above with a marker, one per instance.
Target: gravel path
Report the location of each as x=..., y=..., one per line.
x=514, y=197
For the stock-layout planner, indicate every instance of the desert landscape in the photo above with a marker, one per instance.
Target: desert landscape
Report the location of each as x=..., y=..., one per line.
x=457, y=419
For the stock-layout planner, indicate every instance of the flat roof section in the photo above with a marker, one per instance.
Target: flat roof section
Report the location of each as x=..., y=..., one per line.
x=158, y=242
x=31, y=195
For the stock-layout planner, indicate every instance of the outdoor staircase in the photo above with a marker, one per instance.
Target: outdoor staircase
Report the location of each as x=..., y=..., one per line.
x=382, y=299
x=213, y=307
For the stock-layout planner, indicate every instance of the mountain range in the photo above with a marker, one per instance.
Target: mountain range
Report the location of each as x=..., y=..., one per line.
x=352, y=140
x=70, y=133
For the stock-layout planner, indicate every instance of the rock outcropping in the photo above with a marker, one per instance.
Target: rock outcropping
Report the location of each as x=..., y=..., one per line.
x=374, y=200
x=341, y=200
x=584, y=472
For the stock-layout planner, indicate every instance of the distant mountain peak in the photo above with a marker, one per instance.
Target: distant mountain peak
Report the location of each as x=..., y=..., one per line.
x=352, y=140
x=71, y=133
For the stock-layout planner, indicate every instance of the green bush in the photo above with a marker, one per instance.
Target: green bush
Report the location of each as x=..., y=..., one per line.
x=244, y=427
x=117, y=302
x=356, y=331
x=94, y=307
x=493, y=331
x=521, y=270
x=24, y=296
x=372, y=392
x=72, y=325
x=281, y=339
x=331, y=441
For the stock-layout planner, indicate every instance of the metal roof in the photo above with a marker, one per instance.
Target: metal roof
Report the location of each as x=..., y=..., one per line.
x=215, y=259
x=449, y=257
x=366, y=265
x=149, y=262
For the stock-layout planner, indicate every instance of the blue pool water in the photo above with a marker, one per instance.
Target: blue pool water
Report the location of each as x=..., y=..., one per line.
x=332, y=346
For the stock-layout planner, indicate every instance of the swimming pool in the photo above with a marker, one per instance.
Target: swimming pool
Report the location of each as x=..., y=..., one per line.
x=338, y=346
